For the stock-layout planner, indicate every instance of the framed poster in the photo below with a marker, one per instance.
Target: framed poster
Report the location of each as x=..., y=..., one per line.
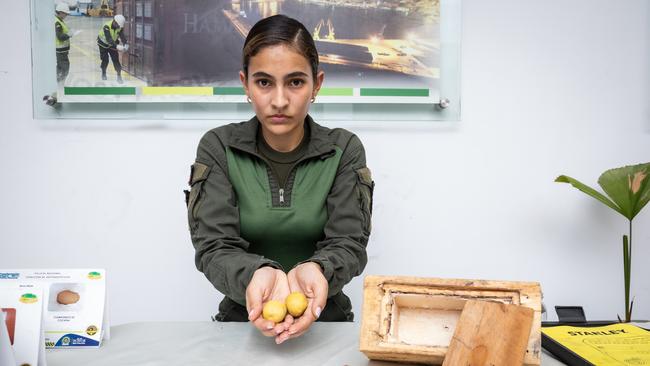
x=169, y=51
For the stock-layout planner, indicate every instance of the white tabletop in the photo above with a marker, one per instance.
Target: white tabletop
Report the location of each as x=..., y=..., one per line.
x=215, y=343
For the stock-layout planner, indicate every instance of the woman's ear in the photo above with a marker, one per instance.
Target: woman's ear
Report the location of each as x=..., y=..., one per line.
x=320, y=76
x=242, y=78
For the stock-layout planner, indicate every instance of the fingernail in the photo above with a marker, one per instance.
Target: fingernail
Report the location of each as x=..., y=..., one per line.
x=318, y=310
x=292, y=332
x=278, y=341
x=269, y=327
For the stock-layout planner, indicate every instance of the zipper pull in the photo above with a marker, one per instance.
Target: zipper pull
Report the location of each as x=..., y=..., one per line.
x=281, y=191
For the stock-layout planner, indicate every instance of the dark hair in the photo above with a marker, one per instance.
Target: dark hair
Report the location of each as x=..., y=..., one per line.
x=276, y=30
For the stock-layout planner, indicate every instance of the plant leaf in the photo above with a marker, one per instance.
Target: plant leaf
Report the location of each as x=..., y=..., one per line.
x=590, y=191
x=628, y=187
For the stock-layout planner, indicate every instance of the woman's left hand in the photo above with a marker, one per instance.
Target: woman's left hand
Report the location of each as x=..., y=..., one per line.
x=306, y=278
x=267, y=284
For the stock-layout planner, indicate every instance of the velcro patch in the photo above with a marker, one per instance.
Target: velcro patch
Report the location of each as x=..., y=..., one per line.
x=198, y=173
x=365, y=175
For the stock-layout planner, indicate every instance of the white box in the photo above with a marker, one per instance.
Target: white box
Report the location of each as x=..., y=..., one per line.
x=74, y=304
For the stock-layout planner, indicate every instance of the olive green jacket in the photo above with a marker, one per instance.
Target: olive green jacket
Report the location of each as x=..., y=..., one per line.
x=214, y=215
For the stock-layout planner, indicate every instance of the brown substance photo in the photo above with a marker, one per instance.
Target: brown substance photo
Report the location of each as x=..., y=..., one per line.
x=10, y=320
x=67, y=297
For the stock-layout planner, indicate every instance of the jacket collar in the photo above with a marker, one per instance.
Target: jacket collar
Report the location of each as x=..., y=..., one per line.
x=245, y=137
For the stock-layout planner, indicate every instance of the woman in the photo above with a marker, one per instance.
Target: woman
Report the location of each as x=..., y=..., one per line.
x=280, y=204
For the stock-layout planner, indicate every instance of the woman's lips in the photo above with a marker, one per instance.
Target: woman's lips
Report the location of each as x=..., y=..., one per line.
x=279, y=118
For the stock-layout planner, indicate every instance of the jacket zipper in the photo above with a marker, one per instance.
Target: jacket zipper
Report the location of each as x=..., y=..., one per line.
x=282, y=189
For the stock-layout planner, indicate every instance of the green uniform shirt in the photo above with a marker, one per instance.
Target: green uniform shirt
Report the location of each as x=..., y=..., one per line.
x=288, y=229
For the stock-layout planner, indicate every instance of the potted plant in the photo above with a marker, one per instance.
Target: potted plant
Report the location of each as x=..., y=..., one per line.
x=628, y=191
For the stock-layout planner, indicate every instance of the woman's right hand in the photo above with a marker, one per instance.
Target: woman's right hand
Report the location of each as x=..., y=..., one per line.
x=267, y=284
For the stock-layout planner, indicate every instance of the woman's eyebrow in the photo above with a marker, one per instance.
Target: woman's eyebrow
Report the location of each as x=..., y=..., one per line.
x=295, y=74
x=262, y=74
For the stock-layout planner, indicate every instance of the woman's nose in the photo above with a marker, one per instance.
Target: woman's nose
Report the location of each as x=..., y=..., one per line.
x=280, y=99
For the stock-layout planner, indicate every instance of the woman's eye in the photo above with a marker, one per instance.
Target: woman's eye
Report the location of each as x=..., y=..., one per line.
x=263, y=83
x=296, y=82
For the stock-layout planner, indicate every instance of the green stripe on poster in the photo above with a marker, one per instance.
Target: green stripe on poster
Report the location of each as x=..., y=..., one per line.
x=75, y=90
x=342, y=92
x=382, y=92
x=228, y=91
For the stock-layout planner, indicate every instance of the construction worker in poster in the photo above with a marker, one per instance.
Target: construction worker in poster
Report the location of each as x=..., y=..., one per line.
x=110, y=40
x=62, y=38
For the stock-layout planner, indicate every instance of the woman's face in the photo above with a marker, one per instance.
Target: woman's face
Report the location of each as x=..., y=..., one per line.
x=281, y=86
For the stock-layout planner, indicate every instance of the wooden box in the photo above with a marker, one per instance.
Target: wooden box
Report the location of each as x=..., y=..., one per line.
x=413, y=319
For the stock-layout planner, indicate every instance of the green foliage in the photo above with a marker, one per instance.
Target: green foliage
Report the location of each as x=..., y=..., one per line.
x=627, y=192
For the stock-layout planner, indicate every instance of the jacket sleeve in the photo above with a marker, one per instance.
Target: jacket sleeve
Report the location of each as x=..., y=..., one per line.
x=122, y=36
x=342, y=253
x=213, y=215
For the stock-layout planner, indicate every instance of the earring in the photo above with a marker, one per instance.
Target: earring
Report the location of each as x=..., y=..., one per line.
x=313, y=99
x=248, y=99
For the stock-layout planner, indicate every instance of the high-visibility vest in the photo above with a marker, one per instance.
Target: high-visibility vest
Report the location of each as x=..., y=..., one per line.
x=113, y=32
x=65, y=45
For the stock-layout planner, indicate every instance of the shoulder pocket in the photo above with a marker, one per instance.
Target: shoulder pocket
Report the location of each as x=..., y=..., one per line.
x=198, y=174
x=365, y=187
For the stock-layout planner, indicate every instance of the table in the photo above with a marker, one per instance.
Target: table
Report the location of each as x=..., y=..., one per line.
x=215, y=343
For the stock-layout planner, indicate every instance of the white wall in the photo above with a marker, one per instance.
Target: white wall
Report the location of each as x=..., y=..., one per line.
x=549, y=87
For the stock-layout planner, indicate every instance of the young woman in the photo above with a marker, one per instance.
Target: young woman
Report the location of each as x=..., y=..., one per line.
x=279, y=204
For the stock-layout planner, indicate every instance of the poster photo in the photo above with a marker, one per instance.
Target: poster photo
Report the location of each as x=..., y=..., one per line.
x=190, y=50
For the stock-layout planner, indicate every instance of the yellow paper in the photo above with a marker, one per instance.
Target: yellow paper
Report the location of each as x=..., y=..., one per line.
x=616, y=344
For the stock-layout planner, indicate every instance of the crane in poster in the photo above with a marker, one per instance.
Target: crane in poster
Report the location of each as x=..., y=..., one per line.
x=330, y=30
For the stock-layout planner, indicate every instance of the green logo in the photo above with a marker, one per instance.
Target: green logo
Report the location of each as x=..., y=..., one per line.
x=28, y=298
x=94, y=275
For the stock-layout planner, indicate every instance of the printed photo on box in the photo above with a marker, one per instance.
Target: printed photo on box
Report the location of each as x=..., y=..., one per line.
x=66, y=297
x=10, y=321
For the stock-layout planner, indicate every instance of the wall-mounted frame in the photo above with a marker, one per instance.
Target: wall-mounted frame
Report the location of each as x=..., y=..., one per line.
x=384, y=60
